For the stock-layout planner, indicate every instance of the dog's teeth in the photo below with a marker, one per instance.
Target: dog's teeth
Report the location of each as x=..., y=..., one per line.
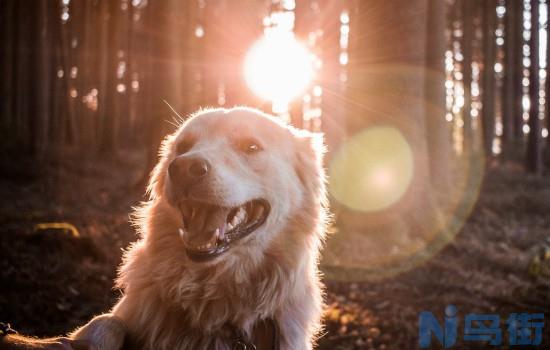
x=181, y=232
x=239, y=217
x=193, y=212
x=241, y=213
x=229, y=226
x=206, y=246
x=258, y=211
x=236, y=221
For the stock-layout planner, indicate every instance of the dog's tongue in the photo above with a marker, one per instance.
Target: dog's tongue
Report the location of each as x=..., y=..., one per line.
x=202, y=226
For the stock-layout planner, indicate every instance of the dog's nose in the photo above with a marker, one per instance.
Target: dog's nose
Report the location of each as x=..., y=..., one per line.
x=185, y=170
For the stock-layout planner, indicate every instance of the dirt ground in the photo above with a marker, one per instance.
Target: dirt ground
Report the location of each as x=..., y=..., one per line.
x=52, y=281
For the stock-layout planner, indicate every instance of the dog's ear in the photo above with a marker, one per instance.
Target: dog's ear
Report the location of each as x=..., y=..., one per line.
x=308, y=164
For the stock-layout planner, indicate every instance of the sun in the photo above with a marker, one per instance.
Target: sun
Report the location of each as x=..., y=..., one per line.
x=278, y=68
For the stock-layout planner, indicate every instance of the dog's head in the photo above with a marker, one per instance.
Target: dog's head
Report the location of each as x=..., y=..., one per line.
x=231, y=176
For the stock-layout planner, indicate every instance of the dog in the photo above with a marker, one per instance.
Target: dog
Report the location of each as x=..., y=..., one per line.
x=230, y=239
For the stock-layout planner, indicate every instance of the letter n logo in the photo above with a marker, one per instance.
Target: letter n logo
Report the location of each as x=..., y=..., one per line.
x=428, y=325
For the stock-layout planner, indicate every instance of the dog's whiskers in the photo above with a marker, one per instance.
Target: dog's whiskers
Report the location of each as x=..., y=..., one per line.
x=177, y=121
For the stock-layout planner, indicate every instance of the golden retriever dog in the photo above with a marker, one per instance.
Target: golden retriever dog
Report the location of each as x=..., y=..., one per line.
x=229, y=240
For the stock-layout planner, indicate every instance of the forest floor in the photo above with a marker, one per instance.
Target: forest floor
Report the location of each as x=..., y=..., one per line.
x=52, y=281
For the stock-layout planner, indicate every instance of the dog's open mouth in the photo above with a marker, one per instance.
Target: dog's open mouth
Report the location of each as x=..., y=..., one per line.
x=210, y=230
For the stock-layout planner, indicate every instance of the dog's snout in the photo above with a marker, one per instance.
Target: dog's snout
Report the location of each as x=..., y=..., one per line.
x=186, y=170
x=198, y=167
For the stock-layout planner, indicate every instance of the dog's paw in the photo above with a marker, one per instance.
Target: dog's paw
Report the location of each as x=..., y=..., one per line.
x=105, y=332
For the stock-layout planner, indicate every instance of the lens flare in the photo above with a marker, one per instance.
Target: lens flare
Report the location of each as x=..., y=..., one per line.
x=372, y=170
x=278, y=68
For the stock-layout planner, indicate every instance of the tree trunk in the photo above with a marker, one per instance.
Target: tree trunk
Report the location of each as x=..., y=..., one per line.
x=467, y=51
x=509, y=98
x=32, y=112
x=86, y=72
x=165, y=79
x=517, y=70
x=388, y=63
x=438, y=131
x=110, y=17
x=57, y=108
x=488, y=92
x=547, y=87
x=8, y=60
x=123, y=76
x=45, y=70
x=67, y=62
x=210, y=62
x=333, y=123
x=534, y=146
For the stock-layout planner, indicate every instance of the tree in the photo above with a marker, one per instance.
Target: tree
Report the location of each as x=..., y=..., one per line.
x=517, y=69
x=8, y=58
x=534, y=144
x=333, y=124
x=45, y=73
x=488, y=97
x=467, y=51
x=109, y=12
x=438, y=129
x=511, y=91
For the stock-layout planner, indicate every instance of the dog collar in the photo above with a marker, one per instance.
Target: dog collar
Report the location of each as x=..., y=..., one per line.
x=265, y=336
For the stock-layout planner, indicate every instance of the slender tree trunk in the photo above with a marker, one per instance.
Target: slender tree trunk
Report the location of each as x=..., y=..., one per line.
x=84, y=84
x=210, y=65
x=58, y=108
x=547, y=85
x=44, y=76
x=32, y=113
x=123, y=76
x=437, y=128
x=67, y=62
x=165, y=78
x=7, y=68
x=488, y=93
x=303, y=24
x=333, y=125
x=534, y=146
x=508, y=99
x=28, y=63
x=110, y=17
x=97, y=72
x=21, y=76
x=144, y=52
x=150, y=127
x=388, y=38
x=133, y=69
x=467, y=51
x=517, y=69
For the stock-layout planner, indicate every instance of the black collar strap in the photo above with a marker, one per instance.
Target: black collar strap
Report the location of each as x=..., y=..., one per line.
x=265, y=336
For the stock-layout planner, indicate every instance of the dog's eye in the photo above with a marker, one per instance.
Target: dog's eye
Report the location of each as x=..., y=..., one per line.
x=250, y=146
x=183, y=146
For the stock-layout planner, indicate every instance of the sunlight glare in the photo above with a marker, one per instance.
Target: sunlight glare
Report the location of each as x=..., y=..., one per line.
x=372, y=170
x=278, y=68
